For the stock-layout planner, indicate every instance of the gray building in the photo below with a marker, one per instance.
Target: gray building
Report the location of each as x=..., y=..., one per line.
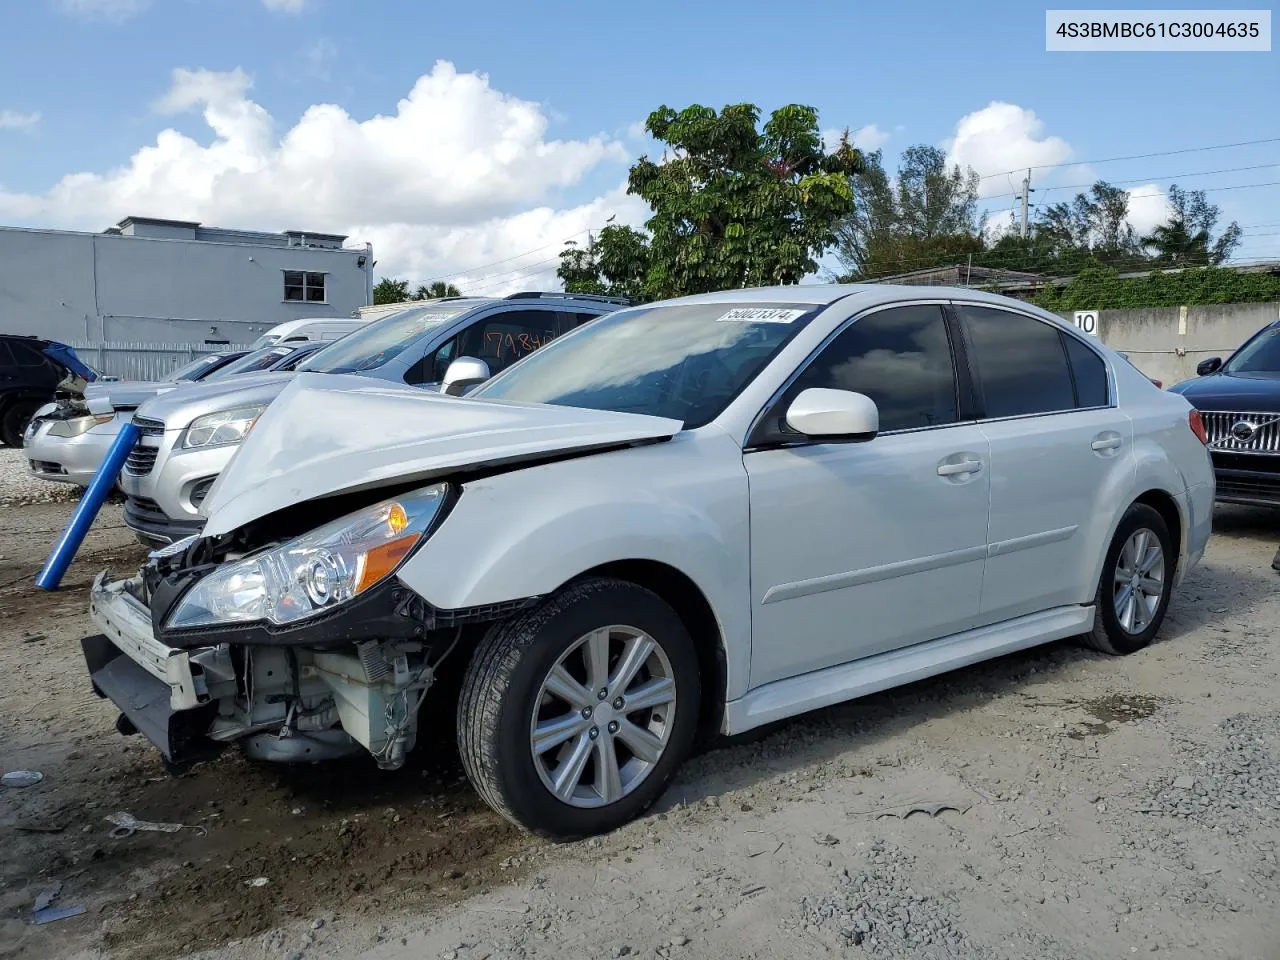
x=172, y=281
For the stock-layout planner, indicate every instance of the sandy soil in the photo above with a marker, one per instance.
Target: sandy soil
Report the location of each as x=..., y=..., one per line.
x=1102, y=808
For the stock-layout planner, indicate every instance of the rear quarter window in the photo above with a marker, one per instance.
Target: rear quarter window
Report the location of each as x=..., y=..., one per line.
x=1089, y=372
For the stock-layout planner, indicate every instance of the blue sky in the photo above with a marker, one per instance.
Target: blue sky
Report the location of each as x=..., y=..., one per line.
x=81, y=82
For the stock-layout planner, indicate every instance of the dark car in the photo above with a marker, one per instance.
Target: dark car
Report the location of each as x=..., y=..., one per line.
x=1239, y=402
x=32, y=372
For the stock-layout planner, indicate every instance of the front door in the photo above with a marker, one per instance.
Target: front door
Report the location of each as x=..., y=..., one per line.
x=860, y=548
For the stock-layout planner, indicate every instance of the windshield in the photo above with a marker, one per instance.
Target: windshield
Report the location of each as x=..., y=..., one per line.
x=383, y=340
x=197, y=368
x=266, y=340
x=1260, y=357
x=685, y=362
x=258, y=360
x=297, y=356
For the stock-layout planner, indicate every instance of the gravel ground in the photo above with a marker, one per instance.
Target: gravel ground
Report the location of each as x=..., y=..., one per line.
x=18, y=487
x=1074, y=806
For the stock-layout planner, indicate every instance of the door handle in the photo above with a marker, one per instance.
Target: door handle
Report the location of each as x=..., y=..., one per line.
x=1107, y=443
x=959, y=469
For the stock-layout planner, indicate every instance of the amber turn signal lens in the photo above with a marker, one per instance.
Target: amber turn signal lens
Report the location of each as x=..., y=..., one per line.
x=382, y=559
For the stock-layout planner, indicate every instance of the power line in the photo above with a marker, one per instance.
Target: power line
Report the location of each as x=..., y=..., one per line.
x=1136, y=156
x=518, y=256
x=1172, y=176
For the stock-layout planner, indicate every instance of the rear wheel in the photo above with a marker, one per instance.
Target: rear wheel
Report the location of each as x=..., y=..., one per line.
x=1137, y=580
x=15, y=421
x=574, y=716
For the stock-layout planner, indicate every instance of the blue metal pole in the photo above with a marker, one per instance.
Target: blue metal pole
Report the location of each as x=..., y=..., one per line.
x=90, y=503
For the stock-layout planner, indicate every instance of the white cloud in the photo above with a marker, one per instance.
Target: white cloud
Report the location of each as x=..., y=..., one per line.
x=1148, y=207
x=459, y=175
x=12, y=120
x=105, y=9
x=1003, y=137
x=288, y=6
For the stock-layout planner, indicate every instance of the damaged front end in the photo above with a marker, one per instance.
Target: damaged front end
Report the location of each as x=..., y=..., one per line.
x=297, y=647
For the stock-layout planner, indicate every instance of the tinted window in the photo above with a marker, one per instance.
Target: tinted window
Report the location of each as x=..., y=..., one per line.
x=1260, y=357
x=251, y=362
x=26, y=356
x=503, y=339
x=197, y=368
x=1020, y=364
x=383, y=340
x=900, y=358
x=1090, y=373
x=685, y=361
x=572, y=320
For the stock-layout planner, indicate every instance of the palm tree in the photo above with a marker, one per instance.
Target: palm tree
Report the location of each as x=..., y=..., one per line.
x=1176, y=246
x=436, y=291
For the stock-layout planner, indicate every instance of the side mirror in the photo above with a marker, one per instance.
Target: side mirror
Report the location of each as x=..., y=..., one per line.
x=1206, y=367
x=463, y=373
x=825, y=414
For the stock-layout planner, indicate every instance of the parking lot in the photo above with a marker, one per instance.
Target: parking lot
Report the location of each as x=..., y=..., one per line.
x=1092, y=807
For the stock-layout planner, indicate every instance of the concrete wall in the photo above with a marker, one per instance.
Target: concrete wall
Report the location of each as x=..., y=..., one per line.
x=1168, y=342
x=95, y=287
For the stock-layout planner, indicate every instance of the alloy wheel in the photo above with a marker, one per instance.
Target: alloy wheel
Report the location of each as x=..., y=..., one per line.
x=603, y=716
x=1139, y=581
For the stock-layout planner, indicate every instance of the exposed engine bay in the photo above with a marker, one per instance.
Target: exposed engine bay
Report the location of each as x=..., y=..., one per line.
x=337, y=683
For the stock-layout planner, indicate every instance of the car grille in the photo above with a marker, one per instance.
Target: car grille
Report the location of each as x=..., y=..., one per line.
x=1228, y=431
x=143, y=456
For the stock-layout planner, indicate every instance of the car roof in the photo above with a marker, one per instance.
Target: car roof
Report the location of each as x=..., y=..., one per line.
x=868, y=294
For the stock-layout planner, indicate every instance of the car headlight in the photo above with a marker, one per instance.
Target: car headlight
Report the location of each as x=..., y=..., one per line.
x=216, y=429
x=77, y=426
x=317, y=571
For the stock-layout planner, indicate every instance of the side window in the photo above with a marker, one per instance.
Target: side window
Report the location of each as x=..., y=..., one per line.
x=571, y=320
x=1019, y=362
x=1090, y=373
x=504, y=338
x=27, y=356
x=900, y=358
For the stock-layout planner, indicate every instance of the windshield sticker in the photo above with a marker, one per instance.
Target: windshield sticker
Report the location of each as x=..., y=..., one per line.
x=759, y=315
x=434, y=317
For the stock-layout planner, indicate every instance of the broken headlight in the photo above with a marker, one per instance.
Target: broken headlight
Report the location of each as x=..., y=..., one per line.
x=315, y=572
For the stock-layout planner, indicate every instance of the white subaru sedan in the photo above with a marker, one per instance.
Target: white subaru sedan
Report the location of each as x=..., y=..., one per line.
x=685, y=517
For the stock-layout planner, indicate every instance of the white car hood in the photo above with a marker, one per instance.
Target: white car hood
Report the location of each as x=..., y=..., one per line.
x=327, y=434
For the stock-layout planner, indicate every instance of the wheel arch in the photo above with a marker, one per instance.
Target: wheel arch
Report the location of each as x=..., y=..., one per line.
x=684, y=596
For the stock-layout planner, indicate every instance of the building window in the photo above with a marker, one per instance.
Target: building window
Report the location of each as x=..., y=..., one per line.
x=303, y=287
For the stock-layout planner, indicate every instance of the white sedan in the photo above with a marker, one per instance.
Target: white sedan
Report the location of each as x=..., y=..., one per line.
x=692, y=516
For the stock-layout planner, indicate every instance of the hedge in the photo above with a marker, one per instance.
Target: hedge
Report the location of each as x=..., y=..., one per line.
x=1103, y=289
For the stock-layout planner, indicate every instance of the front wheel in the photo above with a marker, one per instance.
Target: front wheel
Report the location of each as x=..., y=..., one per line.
x=14, y=422
x=1137, y=580
x=575, y=715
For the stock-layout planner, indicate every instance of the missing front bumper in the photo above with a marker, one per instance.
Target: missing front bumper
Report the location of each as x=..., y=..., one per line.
x=144, y=702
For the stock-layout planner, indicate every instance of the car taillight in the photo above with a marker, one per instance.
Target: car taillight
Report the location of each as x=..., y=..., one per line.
x=1196, y=422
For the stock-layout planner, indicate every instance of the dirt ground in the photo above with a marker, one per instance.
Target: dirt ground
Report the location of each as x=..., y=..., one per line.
x=1097, y=807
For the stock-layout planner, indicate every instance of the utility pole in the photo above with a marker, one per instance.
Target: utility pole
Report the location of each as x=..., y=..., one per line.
x=1026, y=197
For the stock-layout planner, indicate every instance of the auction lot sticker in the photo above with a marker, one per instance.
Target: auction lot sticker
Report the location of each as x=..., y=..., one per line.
x=1229, y=31
x=760, y=315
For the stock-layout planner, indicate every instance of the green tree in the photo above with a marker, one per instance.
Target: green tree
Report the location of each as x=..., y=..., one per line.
x=1186, y=238
x=734, y=205
x=927, y=218
x=388, y=290
x=435, y=290
x=615, y=264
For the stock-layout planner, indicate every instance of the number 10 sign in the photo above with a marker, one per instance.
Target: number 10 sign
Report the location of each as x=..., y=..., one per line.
x=1087, y=321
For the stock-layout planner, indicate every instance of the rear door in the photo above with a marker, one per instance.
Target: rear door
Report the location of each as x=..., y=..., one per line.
x=1059, y=448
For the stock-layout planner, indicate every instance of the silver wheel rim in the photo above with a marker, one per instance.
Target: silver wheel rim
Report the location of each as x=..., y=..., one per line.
x=603, y=716
x=1139, y=581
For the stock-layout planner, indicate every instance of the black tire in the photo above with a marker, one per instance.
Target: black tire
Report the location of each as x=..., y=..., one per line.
x=15, y=421
x=500, y=693
x=1108, y=635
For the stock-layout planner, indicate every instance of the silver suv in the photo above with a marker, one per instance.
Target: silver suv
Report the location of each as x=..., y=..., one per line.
x=189, y=435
